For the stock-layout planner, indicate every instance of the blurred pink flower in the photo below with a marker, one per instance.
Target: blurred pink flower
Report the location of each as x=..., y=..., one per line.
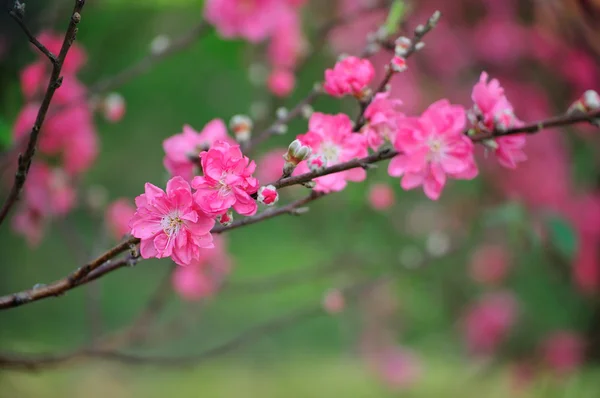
x=118, y=214
x=227, y=181
x=252, y=20
x=382, y=118
x=203, y=277
x=397, y=367
x=34, y=78
x=331, y=136
x=499, y=39
x=489, y=264
x=381, y=196
x=488, y=322
x=350, y=76
x=48, y=191
x=334, y=301
x=76, y=57
x=270, y=165
x=563, y=352
x=169, y=224
x=113, y=107
x=432, y=148
x=289, y=44
x=181, y=149
x=281, y=82
x=29, y=223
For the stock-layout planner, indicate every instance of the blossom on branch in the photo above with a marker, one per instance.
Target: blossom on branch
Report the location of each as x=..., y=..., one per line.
x=170, y=224
x=382, y=118
x=331, y=137
x=350, y=76
x=227, y=181
x=432, y=148
x=252, y=20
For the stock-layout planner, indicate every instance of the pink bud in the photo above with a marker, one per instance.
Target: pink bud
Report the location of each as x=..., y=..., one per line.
x=402, y=45
x=268, y=195
x=296, y=153
x=241, y=125
x=334, y=301
x=114, y=107
x=381, y=196
x=281, y=82
x=225, y=219
x=489, y=264
x=398, y=64
x=317, y=163
x=563, y=352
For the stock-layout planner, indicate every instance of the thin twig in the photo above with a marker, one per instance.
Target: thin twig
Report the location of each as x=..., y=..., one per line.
x=19, y=20
x=55, y=81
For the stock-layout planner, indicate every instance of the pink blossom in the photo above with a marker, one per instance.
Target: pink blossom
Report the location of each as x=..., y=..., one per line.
x=489, y=264
x=350, y=76
x=381, y=196
x=29, y=223
x=252, y=20
x=113, y=107
x=382, y=118
x=398, y=64
x=48, y=191
x=432, y=148
x=169, y=224
x=268, y=195
x=118, y=214
x=563, y=352
x=487, y=323
x=331, y=136
x=203, y=277
x=397, y=367
x=496, y=112
x=289, y=44
x=281, y=82
x=334, y=301
x=181, y=149
x=270, y=166
x=81, y=150
x=227, y=181
x=34, y=77
x=76, y=57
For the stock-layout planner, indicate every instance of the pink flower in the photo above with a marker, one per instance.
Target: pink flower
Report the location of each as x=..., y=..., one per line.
x=250, y=19
x=381, y=196
x=227, y=181
x=118, y=214
x=350, y=76
x=488, y=322
x=48, y=191
x=113, y=107
x=81, y=150
x=334, y=301
x=169, y=224
x=268, y=195
x=289, y=44
x=489, y=264
x=281, y=82
x=34, y=77
x=493, y=110
x=382, y=118
x=331, y=136
x=203, y=277
x=29, y=223
x=563, y=352
x=433, y=148
x=76, y=57
x=270, y=166
x=182, y=149
x=398, y=64
x=397, y=367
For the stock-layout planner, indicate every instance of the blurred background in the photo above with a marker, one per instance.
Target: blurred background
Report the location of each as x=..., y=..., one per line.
x=491, y=291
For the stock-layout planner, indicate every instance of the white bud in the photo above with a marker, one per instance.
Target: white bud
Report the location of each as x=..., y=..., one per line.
x=307, y=111
x=316, y=163
x=160, y=44
x=420, y=30
x=435, y=18
x=591, y=100
x=241, y=125
x=419, y=46
x=438, y=243
x=282, y=113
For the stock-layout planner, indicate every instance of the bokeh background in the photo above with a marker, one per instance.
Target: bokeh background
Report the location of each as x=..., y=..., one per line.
x=540, y=220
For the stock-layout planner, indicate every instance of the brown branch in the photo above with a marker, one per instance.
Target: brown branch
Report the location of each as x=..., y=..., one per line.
x=18, y=17
x=25, y=159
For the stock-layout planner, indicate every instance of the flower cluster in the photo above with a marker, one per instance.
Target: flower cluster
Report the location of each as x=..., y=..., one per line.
x=68, y=139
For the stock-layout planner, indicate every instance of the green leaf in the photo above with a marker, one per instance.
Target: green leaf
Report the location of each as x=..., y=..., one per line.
x=397, y=11
x=510, y=213
x=562, y=235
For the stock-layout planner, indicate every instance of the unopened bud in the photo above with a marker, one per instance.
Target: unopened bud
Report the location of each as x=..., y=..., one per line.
x=241, y=125
x=402, y=43
x=591, y=100
x=113, y=107
x=296, y=153
x=282, y=113
x=307, y=111
x=281, y=129
x=160, y=44
x=398, y=64
x=420, y=30
x=316, y=163
x=334, y=302
x=268, y=195
x=419, y=46
x=435, y=18
x=225, y=219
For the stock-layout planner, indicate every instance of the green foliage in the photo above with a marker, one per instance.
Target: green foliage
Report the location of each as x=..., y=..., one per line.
x=562, y=235
x=5, y=134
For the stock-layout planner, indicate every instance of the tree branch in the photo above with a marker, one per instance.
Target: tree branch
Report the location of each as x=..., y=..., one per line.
x=55, y=81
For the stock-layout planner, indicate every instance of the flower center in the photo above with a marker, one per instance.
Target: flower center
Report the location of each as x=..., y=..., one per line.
x=223, y=187
x=330, y=152
x=436, y=150
x=171, y=223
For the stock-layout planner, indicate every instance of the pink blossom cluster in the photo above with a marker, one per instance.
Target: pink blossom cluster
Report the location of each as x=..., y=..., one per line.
x=177, y=222
x=277, y=21
x=68, y=137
